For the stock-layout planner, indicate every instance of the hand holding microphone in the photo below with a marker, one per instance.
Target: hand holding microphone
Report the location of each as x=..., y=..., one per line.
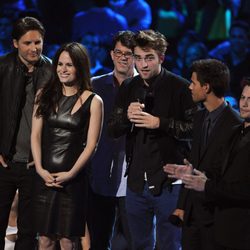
x=140, y=118
x=134, y=110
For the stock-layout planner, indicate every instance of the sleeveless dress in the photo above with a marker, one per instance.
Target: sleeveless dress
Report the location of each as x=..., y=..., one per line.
x=62, y=211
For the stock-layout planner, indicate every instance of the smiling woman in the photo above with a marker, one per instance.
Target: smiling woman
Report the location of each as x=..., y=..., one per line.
x=63, y=141
x=66, y=70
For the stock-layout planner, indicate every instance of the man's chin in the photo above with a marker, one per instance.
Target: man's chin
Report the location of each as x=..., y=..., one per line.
x=33, y=59
x=145, y=76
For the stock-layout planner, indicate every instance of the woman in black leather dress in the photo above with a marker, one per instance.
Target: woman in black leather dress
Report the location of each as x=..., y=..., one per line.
x=66, y=127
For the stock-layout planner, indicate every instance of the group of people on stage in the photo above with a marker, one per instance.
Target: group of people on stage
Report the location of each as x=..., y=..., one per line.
x=139, y=146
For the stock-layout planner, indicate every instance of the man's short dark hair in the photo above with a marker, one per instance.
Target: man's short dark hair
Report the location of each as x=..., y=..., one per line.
x=23, y=25
x=212, y=72
x=150, y=39
x=126, y=38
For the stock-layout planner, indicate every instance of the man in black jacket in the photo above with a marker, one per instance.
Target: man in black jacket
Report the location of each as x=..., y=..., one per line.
x=153, y=109
x=212, y=131
x=230, y=192
x=22, y=72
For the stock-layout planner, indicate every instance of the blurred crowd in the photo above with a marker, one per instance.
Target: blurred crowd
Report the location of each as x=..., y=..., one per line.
x=203, y=29
x=194, y=29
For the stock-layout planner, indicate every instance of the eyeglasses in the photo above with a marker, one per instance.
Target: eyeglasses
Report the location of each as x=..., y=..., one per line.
x=148, y=58
x=118, y=53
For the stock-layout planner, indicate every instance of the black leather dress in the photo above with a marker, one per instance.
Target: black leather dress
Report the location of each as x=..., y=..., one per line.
x=62, y=212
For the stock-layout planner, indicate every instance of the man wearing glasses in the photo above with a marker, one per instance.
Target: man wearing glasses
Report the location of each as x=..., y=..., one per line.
x=108, y=184
x=153, y=109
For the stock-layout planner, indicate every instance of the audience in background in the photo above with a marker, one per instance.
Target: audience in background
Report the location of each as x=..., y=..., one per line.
x=194, y=52
x=93, y=22
x=5, y=33
x=97, y=53
x=236, y=55
x=175, y=61
x=101, y=20
x=137, y=13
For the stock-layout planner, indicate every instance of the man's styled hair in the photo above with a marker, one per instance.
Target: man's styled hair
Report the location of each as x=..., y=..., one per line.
x=125, y=37
x=212, y=72
x=150, y=39
x=23, y=25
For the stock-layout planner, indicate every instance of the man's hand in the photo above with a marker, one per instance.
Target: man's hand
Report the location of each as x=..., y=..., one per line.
x=196, y=182
x=178, y=171
x=2, y=162
x=134, y=108
x=140, y=118
x=179, y=213
x=146, y=120
x=176, y=218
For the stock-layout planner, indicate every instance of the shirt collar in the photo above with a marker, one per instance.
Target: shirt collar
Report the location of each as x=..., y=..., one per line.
x=213, y=115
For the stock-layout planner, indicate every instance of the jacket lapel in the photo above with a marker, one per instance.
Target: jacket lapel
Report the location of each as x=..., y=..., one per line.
x=216, y=132
x=196, y=145
x=228, y=148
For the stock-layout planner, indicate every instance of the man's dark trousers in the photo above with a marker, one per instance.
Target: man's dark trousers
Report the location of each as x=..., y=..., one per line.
x=17, y=176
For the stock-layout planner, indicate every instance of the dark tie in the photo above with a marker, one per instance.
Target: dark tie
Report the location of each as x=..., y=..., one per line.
x=205, y=134
x=206, y=130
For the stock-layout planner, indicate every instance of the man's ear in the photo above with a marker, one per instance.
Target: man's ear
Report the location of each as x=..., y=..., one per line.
x=161, y=58
x=112, y=54
x=15, y=44
x=208, y=88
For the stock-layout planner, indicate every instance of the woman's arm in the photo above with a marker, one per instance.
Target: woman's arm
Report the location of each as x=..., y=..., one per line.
x=36, y=133
x=94, y=131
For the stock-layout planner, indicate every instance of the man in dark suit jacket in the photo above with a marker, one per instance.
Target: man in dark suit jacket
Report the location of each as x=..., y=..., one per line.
x=152, y=109
x=212, y=130
x=230, y=191
x=107, y=181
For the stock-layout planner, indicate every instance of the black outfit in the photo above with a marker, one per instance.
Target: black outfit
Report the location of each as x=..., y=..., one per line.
x=17, y=88
x=231, y=194
x=149, y=190
x=198, y=231
x=62, y=212
x=171, y=101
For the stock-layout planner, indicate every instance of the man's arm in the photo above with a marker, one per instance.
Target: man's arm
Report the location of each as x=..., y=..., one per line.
x=180, y=129
x=233, y=192
x=236, y=193
x=180, y=125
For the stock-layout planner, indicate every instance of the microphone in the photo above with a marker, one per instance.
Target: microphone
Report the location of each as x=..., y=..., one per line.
x=133, y=124
x=140, y=96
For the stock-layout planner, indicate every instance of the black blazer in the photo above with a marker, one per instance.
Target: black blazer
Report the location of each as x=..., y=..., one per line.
x=12, y=89
x=209, y=161
x=173, y=105
x=231, y=194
